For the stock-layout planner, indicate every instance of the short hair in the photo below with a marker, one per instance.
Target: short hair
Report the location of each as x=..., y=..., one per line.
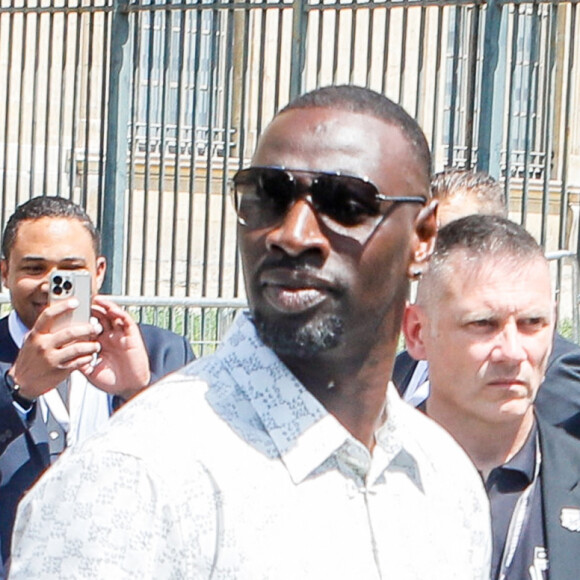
x=50, y=207
x=356, y=99
x=478, y=186
x=481, y=237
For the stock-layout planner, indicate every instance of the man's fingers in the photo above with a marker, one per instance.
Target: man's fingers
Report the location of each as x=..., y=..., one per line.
x=76, y=354
x=84, y=364
x=74, y=333
x=47, y=317
x=117, y=315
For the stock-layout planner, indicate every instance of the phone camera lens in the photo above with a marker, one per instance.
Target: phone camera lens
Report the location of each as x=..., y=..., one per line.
x=57, y=290
x=57, y=279
x=67, y=285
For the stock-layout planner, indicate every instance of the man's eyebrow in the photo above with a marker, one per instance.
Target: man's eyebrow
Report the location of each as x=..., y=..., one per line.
x=33, y=259
x=66, y=260
x=475, y=315
x=73, y=259
x=535, y=313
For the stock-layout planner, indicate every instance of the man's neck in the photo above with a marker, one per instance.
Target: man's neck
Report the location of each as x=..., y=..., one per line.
x=487, y=444
x=353, y=391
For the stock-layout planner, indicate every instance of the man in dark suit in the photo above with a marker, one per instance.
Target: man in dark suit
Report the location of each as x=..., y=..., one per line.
x=462, y=193
x=96, y=366
x=484, y=320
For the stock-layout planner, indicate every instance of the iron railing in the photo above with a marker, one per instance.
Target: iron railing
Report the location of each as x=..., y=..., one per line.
x=141, y=110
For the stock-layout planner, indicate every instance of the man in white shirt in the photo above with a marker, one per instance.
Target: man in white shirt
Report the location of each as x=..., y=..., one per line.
x=287, y=454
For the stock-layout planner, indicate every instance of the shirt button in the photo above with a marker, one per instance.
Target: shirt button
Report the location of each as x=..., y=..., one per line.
x=53, y=435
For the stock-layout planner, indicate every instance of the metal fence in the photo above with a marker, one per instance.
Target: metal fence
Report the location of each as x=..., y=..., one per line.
x=204, y=321
x=141, y=110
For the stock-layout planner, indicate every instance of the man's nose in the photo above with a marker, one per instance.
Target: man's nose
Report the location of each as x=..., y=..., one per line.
x=299, y=231
x=510, y=344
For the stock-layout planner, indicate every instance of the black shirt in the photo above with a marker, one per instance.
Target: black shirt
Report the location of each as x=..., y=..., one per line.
x=505, y=486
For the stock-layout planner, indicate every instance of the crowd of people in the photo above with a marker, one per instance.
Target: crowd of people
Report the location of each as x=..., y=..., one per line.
x=290, y=452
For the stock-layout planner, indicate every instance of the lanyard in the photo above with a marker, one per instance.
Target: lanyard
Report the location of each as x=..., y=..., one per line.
x=519, y=516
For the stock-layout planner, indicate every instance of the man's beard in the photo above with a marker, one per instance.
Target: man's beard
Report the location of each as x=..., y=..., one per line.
x=299, y=339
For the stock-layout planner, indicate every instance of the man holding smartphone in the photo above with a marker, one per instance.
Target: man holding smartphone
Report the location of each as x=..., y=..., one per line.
x=59, y=381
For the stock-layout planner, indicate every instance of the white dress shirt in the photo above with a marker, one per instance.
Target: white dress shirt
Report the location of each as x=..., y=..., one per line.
x=230, y=468
x=417, y=391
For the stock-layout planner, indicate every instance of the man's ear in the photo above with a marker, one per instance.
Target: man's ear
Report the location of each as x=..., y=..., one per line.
x=101, y=269
x=414, y=331
x=4, y=270
x=425, y=235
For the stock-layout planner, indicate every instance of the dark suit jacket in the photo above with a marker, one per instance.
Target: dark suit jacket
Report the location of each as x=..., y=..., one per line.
x=24, y=447
x=561, y=491
x=559, y=396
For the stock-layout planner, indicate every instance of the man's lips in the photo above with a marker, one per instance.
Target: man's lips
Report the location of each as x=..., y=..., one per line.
x=293, y=291
x=508, y=383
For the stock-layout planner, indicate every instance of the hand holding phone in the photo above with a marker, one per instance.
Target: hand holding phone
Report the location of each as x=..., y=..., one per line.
x=65, y=284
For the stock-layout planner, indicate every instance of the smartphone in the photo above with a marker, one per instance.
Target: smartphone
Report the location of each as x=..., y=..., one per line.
x=66, y=284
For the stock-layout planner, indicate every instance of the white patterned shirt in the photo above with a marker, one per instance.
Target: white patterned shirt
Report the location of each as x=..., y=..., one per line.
x=230, y=468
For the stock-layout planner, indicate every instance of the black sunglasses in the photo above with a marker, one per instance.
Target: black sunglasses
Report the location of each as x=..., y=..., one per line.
x=347, y=204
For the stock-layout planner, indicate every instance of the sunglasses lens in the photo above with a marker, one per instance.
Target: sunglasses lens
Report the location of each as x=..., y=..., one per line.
x=348, y=205
x=346, y=200
x=263, y=195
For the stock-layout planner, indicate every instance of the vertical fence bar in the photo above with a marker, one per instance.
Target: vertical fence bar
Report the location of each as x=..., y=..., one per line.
x=103, y=114
x=87, y=108
x=61, y=112
x=471, y=77
x=511, y=104
x=403, y=59
x=455, y=97
x=228, y=113
x=151, y=52
x=7, y=116
x=47, y=109
x=21, y=111
x=549, y=128
x=178, y=140
x=75, y=109
x=162, y=99
x=419, y=102
x=490, y=131
x=133, y=136
x=117, y=147
x=299, y=23
x=35, y=108
x=436, y=100
x=563, y=240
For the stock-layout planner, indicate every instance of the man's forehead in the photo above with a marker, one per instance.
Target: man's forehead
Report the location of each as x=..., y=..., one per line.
x=52, y=224
x=319, y=130
x=61, y=230
x=471, y=272
x=360, y=144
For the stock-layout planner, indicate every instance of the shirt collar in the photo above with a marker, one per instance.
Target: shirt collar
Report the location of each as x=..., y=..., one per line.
x=305, y=434
x=522, y=464
x=17, y=328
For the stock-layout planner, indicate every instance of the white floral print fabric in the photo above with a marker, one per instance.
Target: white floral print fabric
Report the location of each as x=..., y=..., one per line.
x=231, y=469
